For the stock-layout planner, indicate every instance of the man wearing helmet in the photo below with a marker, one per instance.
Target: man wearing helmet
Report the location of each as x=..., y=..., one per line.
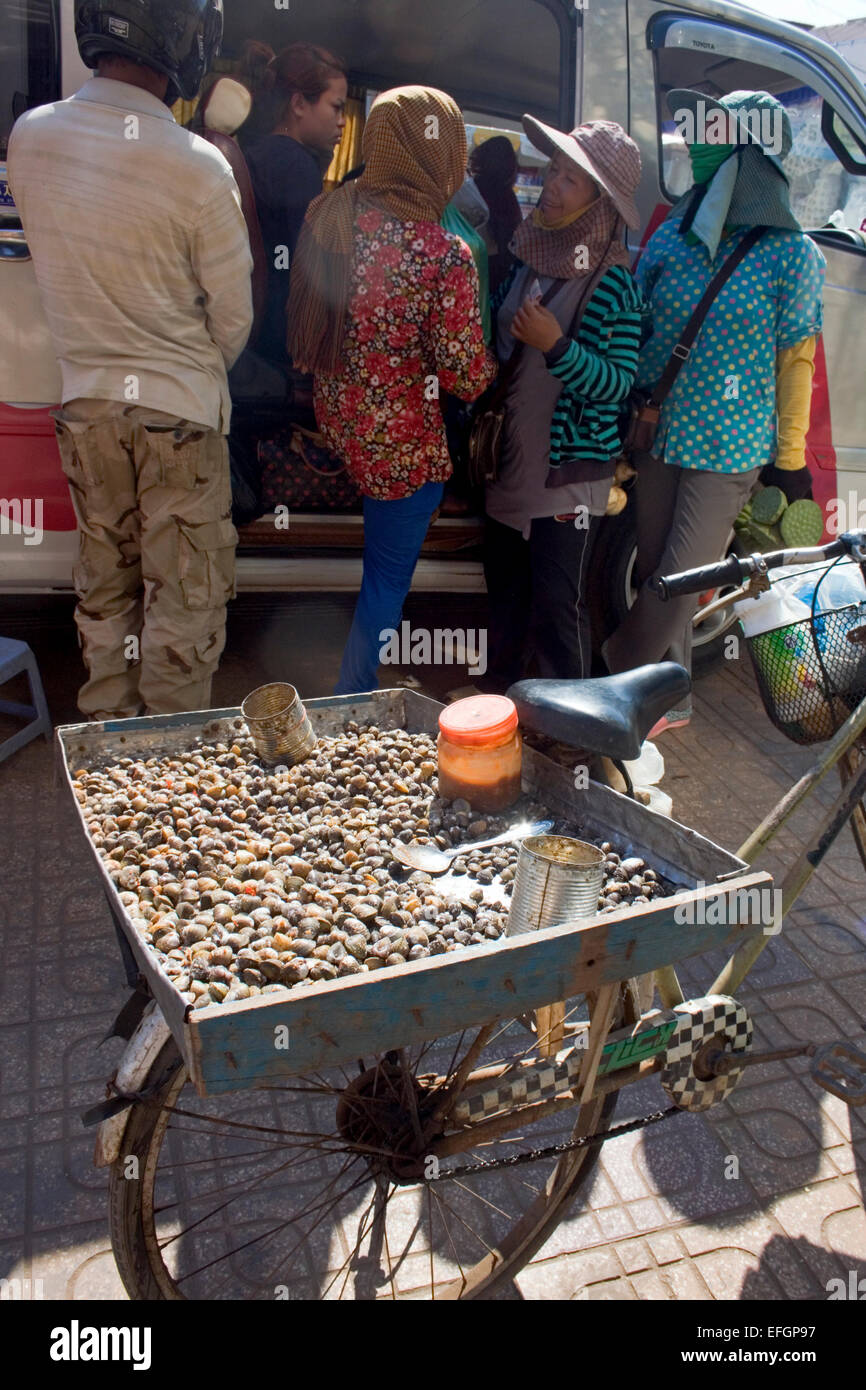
x=142, y=257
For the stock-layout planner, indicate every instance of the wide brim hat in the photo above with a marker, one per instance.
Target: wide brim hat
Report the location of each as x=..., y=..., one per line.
x=740, y=105
x=604, y=151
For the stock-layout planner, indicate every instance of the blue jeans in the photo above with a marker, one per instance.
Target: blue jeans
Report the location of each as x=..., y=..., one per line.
x=393, y=535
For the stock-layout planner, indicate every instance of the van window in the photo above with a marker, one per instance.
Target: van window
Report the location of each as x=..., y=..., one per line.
x=500, y=57
x=531, y=164
x=821, y=186
x=28, y=61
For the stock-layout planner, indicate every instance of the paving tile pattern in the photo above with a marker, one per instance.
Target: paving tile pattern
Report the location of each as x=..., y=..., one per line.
x=760, y=1198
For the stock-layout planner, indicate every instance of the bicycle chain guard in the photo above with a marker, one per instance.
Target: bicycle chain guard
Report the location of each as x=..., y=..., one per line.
x=840, y=1068
x=699, y=1022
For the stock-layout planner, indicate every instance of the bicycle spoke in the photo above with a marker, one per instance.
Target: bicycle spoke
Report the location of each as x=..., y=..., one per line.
x=429, y=1196
x=312, y=1181
x=254, y=1184
x=266, y=1235
x=449, y=1237
x=322, y=1207
x=479, y=1198
x=293, y=1163
x=457, y=1048
x=352, y=1253
x=465, y=1225
x=380, y=1234
x=304, y=1137
x=226, y=1158
x=178, y=1235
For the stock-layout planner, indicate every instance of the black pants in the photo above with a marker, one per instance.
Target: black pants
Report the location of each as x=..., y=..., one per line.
x=537, y=601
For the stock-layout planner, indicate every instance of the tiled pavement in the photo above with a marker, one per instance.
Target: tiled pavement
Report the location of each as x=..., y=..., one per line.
x=663, y=1219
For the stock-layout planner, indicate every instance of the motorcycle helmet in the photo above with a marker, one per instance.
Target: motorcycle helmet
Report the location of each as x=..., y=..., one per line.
x=178, y=37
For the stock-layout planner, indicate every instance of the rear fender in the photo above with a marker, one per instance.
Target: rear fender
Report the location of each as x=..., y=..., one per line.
x=143, y=1048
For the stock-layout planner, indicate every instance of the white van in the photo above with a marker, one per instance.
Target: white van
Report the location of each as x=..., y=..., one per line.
x=563, y=61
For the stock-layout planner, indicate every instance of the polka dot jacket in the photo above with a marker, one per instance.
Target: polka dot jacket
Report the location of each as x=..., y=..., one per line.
x=721, y=413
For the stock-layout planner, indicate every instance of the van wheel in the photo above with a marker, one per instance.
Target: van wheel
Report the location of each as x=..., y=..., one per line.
x=615, y=592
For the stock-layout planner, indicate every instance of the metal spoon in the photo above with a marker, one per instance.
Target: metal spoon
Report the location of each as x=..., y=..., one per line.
x=435, y=861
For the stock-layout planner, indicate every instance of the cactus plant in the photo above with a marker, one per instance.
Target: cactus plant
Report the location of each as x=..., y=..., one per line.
x=760, y=537
x=802, y=523
x=744, y=517
x=768, y=505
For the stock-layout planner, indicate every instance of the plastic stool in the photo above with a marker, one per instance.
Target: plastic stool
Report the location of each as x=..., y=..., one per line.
x=14, y=658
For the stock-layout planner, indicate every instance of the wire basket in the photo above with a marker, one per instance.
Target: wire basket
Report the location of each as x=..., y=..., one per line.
x=809, y=675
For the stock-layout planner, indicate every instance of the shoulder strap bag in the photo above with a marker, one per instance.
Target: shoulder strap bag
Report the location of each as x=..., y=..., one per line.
x=484, y=449
x=486, y=434
x=645, y=406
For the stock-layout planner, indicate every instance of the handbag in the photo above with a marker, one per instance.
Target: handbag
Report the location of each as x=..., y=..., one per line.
x=298, y=471
x=488, y=426
x=643, y=408
x=484, y=449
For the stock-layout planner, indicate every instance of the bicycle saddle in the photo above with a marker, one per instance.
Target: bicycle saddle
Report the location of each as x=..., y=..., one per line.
x=611, y=715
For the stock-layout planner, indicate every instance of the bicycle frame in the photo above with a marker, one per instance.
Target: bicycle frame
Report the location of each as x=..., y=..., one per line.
x=634, y=1053
x=812, y=856
x=739, y=964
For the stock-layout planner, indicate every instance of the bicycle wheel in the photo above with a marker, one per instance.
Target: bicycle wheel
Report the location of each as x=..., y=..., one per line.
x=849, y=765
x=320, y=1189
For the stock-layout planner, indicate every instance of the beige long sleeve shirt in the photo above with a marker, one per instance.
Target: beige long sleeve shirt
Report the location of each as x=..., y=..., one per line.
x=140, y=250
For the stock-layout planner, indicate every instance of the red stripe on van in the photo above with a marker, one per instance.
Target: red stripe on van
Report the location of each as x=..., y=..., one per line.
x=659, y=213
x=820, y=454
x=30, y=465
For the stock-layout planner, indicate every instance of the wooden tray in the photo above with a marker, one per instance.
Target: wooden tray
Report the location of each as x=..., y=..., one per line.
x=234, y=1046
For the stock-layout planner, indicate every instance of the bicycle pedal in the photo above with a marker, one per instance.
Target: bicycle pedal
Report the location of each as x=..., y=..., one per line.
x=840, y=1068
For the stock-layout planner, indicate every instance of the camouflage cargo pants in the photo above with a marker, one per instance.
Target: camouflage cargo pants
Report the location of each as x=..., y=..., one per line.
x=156, y=565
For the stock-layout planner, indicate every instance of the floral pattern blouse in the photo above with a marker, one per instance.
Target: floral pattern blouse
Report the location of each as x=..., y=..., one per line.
x=413, y=326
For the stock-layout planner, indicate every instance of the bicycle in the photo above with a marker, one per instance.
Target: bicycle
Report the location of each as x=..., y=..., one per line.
x=413, y=1175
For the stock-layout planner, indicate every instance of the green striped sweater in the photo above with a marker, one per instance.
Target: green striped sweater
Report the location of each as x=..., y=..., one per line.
x=597, y=368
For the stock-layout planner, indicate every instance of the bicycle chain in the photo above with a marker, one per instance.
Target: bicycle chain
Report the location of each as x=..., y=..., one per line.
x=554, y=1150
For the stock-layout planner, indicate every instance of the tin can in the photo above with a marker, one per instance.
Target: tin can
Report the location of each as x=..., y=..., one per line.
x=279, y=725
x=557, y=880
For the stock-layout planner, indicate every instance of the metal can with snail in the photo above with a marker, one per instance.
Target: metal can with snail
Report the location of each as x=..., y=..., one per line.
x=279, y=724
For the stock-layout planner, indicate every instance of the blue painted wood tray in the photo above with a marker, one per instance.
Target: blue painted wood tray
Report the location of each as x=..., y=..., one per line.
x=233, y=1047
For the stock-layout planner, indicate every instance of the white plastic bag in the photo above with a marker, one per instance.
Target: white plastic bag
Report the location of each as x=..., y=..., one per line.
x=774, y=609
x=838, y=583
x=648, y=769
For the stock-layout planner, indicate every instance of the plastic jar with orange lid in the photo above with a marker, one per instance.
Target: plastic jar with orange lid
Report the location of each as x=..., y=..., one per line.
x=480, y=752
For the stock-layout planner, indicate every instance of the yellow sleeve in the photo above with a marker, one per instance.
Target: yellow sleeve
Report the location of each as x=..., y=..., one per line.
x=795, y=367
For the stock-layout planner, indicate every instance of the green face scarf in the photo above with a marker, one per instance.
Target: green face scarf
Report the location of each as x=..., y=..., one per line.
x=706, y=159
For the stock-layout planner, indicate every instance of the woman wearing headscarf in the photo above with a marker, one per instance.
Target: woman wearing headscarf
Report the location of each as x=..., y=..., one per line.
x=741, y=401
x=307, y=89
x=577, y=366
x=384, y=311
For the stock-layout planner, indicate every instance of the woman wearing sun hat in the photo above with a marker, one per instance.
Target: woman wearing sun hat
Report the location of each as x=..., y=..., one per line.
x=561, y=438
x=739, y=408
